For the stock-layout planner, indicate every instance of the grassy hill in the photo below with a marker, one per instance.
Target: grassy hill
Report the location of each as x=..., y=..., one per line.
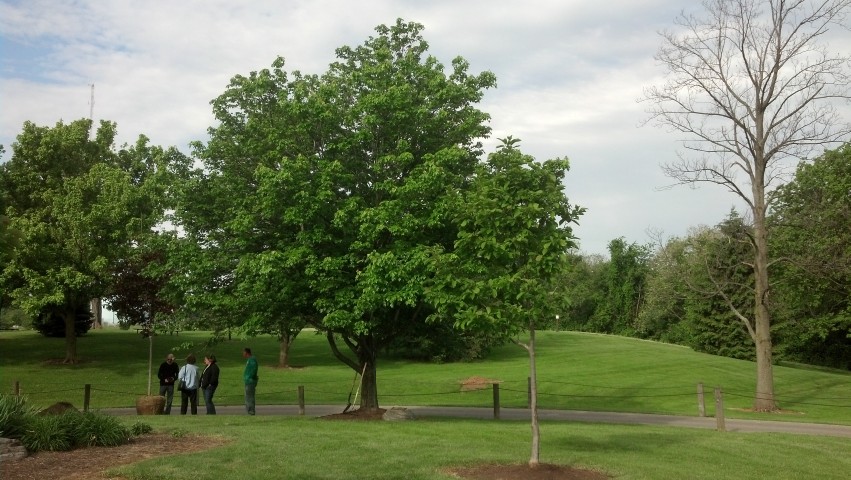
x=575, y=371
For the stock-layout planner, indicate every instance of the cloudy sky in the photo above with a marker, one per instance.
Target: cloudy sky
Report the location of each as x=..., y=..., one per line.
x=569, y=76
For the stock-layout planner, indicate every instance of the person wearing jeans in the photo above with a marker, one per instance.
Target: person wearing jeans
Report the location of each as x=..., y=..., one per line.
x=209, y=382
x=249, y=377
x=168, y=375
x=189, y=394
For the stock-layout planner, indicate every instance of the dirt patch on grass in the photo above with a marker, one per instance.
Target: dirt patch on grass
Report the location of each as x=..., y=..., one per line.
x=543, y=471
x=90, y=463
x=477, y=383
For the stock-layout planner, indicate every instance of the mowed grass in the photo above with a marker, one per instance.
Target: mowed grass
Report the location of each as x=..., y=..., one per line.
x=267, y=447
x=575, y=371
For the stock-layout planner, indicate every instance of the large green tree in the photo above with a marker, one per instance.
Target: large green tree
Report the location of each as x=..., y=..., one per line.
x=514, y=234
x=812, y=233
x=752, y=88
x=77, y=206
x=335, y=185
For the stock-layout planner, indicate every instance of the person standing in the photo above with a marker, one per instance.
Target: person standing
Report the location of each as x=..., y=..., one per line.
x=188, y=374
x=249, y=377
x=167, y=375
x=209, y=382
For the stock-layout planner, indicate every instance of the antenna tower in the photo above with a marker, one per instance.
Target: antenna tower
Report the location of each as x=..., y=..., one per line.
x=92, y=103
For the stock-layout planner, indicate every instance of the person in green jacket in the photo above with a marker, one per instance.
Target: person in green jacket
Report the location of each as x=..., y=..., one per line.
x=249, y=376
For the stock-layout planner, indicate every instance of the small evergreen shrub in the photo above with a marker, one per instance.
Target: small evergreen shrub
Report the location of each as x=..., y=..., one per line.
x=51, y=324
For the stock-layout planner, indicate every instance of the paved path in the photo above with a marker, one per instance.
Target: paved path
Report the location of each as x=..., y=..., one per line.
x=732, y=425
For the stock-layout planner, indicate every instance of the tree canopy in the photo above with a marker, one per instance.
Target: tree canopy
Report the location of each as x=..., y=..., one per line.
x=323, y=196
x=75, y=203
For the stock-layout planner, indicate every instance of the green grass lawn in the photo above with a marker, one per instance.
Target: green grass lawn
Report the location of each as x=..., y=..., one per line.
x=305, y=448
x=575, y=371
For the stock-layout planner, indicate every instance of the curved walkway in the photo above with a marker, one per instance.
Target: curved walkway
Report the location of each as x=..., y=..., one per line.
x=732, y=425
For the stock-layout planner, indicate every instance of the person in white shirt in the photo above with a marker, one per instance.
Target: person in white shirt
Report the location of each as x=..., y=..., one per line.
x=188, y=377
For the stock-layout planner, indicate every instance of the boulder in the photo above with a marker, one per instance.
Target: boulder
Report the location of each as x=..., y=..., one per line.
x=398, y=413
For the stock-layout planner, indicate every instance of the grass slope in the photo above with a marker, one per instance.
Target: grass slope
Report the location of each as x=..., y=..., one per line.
x=575, y=371
x=290, y=447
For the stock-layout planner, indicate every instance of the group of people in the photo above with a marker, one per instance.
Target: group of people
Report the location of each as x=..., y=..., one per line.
x=189, y=379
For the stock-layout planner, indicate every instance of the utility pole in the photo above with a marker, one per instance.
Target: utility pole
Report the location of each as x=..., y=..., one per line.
x=92, y=103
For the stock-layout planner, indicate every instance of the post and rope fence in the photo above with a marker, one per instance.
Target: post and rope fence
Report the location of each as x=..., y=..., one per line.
x=498, y=397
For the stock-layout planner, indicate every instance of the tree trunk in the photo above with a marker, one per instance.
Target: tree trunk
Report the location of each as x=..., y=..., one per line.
x=366, y=353
x=533, y=404
x=284, y=353
x=764, y=398
x=97, y=313
x=369, y=381
x=70, y=318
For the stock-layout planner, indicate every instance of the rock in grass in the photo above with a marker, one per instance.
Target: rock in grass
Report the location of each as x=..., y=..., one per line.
x=59, y=408
x=398, y=413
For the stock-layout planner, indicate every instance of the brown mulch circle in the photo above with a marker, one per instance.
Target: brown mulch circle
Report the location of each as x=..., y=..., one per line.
x=90, y=463
x=543, y=471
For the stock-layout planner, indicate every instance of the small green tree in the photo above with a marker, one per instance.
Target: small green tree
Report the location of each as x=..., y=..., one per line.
x=514, y=234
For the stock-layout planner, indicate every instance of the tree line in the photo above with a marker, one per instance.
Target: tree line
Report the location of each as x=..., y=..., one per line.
x=693, y=290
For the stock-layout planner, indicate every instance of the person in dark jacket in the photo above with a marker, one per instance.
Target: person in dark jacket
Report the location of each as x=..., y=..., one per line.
x=209, y=382
x=167, y=375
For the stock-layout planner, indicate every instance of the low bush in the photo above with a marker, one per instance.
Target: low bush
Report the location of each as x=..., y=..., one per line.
x=63, y=431
x=99, y=430
x=140, y=428
x=52, y=433
x=13, y=416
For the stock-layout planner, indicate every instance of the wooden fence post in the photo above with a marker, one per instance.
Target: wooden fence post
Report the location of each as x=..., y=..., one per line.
x=701, y=402
x=87, y=397
x=17, y=388
x=301, y=399
x=719, y=410
x=495, y=400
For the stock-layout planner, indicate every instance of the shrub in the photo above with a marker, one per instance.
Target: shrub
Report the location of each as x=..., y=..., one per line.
x=60, y=431
x=49, y=432
x=51, y=324
x=13, y=416
x=98, y=430
x=140, y=428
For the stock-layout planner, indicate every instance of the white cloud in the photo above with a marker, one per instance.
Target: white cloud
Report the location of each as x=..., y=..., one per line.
x=569, y=74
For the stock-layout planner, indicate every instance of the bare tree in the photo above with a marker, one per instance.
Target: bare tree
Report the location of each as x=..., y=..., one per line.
x=753, y=87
